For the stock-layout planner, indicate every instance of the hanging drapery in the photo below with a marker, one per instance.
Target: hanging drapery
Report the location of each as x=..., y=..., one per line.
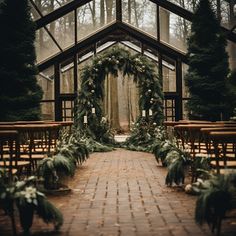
x=121, y=102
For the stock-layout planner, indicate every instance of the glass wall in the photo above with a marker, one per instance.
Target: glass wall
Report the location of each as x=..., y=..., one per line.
x=46, y=81
x=67, y=79
x=94, y=15
x=141, y=14
x=48, y=6
x=185, y=93
x=169, y=76
x=45, y=47
x=174, y=30
x=63, y=30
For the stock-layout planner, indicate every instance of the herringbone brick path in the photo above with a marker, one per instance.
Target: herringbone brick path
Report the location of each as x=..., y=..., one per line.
x=122, y=193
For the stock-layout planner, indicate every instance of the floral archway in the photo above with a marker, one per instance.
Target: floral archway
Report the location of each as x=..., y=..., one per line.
x=89, y=115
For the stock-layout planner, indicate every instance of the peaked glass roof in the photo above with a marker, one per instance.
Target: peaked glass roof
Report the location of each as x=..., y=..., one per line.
x=67, y=27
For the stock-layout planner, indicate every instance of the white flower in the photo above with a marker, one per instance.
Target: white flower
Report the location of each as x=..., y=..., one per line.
x=188, y=188
x=103, y=120
x=149, y=90
x=92, y=91
x=30, y=194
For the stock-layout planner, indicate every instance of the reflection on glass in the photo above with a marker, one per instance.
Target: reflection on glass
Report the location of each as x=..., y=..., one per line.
x=174, y=30
x=45, y=47
x=63, y=30
x=94, y=15
x=141, y=14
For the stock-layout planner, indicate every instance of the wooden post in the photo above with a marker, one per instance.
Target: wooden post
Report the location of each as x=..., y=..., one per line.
x=58, y=102
x=179, y=90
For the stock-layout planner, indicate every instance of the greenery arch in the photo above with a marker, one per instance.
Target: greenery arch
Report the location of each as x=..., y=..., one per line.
x=92, y=91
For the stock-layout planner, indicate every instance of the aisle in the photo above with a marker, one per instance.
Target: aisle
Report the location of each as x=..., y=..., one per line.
x=123, y=193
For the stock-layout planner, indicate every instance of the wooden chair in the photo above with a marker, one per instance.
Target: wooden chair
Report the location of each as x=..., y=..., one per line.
x=224, y=146
x=37, y=141
x=9, y=141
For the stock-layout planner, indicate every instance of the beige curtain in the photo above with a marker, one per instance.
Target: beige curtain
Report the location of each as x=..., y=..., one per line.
x=121, y=102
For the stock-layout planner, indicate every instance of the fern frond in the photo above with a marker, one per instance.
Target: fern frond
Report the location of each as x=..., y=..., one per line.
x=49, y=213
x=63, y=164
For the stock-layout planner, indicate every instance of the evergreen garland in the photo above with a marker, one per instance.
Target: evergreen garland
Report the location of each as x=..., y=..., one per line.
x=91, y=93
x=20, y=94
x=208, y=67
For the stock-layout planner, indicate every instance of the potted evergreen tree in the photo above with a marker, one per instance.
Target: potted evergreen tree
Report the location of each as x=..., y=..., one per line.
x=208, y=67
x=20, y=95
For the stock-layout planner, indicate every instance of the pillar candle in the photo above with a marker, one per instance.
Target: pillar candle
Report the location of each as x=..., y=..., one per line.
x=143, y=113
x=150, y=112
x=85, y=120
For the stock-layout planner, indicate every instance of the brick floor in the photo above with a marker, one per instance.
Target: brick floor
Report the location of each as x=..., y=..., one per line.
x=122, y=193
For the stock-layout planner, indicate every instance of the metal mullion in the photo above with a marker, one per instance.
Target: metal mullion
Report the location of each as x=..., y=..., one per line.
x=36, y=8
x=50, y=17
x=76, y=25
x=158, y=23
x=164, y=49
x=53, y=38
x=118, y=10
x=45, y=27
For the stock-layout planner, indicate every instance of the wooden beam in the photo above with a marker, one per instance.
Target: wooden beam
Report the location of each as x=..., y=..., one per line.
x=58, y=105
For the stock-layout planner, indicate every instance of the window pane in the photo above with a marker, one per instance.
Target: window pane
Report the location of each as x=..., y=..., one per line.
x=48, y=6
x=186, y=4
x=46, y=81
x=93, y=16
x=174, y=30
x=169, y=78
x=140, y=14
x=45, y=47
x=63, y=30
x=67, y=79
x=34, y=14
